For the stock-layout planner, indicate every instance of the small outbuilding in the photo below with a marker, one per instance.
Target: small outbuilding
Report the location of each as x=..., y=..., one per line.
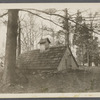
x=47, y=58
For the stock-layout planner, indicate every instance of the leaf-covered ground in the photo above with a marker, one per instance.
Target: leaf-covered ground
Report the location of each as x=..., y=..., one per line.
x=61, y=82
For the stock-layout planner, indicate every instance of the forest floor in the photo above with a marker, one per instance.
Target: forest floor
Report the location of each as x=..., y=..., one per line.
x=62, y=82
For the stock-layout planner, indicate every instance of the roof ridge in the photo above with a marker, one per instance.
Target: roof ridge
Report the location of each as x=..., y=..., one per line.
x=39, y=49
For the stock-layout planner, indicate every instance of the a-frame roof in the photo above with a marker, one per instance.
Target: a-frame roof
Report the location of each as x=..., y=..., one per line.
x=73, y=56
x=48, y=59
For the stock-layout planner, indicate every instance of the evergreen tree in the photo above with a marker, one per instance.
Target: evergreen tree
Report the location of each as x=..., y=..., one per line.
x=83, y=39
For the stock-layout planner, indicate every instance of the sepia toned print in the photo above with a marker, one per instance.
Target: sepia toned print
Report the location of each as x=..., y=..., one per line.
x=48, y=48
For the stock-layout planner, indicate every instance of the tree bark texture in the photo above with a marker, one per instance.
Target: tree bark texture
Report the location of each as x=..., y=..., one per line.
x=66, y=25
x=11, y=44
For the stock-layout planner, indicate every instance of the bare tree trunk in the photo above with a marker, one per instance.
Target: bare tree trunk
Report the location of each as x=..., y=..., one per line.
x=11, y=43
x=83, y=54
x=88, y=58
x=19, y=41
x=66, y=25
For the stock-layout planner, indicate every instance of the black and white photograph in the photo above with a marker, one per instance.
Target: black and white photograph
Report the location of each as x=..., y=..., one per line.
x=50, y=48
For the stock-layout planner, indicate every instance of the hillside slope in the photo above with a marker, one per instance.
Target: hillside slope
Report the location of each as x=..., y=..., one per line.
x=61, y=82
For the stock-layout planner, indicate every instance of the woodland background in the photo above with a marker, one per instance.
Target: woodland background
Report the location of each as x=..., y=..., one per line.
x=79, y=30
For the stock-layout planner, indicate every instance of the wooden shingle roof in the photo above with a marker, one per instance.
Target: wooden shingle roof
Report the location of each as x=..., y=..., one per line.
x=34, y=59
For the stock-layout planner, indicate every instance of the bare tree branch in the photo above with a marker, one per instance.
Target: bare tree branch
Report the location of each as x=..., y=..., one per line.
x=58, y=16
x=4, y=14
x=83, y=26
x=42, y=17
x=81, y=12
